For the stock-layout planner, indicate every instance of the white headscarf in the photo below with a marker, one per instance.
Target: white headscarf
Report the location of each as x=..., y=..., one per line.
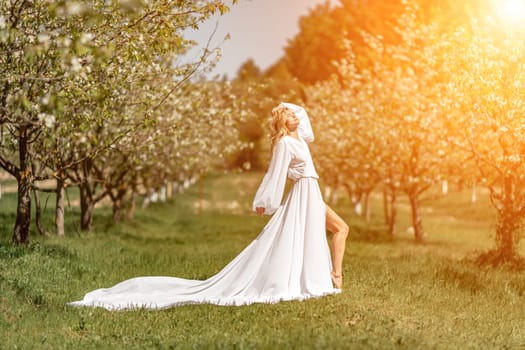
x=305, y=128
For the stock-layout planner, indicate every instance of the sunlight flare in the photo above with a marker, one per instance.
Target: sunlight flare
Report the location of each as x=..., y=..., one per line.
x=512, y=11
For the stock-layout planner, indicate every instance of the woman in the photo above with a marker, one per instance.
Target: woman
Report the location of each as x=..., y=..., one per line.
x=290, y=133
x=289, y=260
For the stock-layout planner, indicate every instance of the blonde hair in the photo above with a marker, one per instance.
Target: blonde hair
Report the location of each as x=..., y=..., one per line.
x=278, y=127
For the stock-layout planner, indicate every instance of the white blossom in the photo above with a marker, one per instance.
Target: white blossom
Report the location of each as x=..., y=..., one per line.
x=74, y=8
x=66, y=42
x=47, y=119
x=45, y=99
x=44, y=38
x=86, y=38
x=75, y=64
x=3, y=22
x=514, y=158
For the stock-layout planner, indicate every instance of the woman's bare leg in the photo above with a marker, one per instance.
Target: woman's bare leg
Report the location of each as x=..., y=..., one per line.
x=339, y=228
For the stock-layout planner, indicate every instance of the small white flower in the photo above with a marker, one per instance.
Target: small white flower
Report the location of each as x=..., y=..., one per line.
x=3, y=22
x=514, y=158
x=75, y=64
x=66, y=42
x=74, y=8
x=47, y=119
x=86, y=38
x=50, y=121
x=45, y=100
x=43, y=38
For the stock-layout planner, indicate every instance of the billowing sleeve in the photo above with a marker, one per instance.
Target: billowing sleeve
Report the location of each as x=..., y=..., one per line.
x=305, y=127
x=270, y=192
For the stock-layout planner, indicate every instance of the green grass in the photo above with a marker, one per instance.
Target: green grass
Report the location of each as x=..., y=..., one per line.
x=398, y=294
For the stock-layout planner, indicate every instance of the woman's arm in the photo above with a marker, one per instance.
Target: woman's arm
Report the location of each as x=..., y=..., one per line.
x=305, y=127
x=270, y=192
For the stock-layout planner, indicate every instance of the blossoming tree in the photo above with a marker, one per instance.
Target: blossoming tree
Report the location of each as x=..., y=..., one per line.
x=485, y=107
x=70, y=67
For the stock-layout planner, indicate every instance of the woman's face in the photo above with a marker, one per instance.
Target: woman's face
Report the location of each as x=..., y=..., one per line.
x=291, y=121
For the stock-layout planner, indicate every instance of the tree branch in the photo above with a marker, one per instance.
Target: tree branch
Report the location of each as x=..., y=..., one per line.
x=9, y=166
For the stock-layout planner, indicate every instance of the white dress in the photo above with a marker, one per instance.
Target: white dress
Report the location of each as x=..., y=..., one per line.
x=289, y=260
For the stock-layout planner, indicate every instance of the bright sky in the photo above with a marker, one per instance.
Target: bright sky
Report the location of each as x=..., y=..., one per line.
x=259, y=29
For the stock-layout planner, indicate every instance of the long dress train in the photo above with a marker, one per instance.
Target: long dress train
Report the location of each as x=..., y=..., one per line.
x=289, y=260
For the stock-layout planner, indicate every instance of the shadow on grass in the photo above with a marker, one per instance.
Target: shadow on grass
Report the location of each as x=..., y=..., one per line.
x=370, y=233
x=378, y=234
x=461, y=277
x=500, y=259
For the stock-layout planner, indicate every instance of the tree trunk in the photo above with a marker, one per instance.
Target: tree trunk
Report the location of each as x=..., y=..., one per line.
x=368, y=210
x=36, y=194
x=38, y=213
x=23, y=211
x=24, y=179
x=355, y=200
x=169, y=189
x=444, y=187
x=386, y=208
x=117, y=206
x=393, y=214
x=504, y=237
x=473, y=194
x=508, y=223
x=417, y=224
x=87, y=206
x=132, y=205
x=59, y=211
x=358, y=208
x=199, y=211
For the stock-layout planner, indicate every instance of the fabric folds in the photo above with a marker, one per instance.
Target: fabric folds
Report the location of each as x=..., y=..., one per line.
x=289, y=260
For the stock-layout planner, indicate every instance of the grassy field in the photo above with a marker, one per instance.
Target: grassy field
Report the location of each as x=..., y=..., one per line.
x=397, y=295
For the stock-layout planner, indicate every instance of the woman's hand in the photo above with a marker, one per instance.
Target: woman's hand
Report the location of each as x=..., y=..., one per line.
x=259, y=210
